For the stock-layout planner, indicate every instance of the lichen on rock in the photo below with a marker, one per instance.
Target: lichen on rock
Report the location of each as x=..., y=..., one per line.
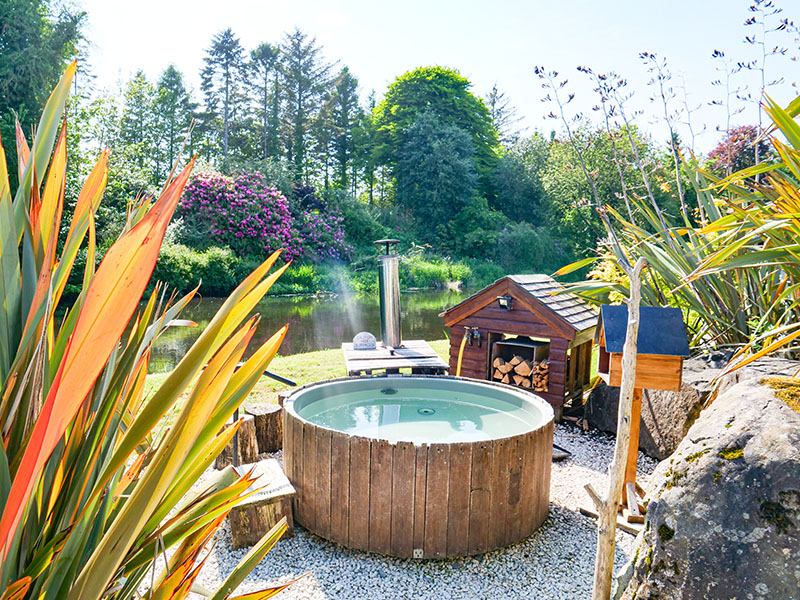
x=724, y=511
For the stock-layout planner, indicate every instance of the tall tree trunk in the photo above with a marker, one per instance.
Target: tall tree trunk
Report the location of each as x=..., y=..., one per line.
x=607, y=510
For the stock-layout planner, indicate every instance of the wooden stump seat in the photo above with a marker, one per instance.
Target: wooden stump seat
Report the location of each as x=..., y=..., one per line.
x=254, y=517
x=248, y=444
x=269, y=426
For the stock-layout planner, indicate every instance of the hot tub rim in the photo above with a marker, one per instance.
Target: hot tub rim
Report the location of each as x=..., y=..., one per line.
x=549, y=416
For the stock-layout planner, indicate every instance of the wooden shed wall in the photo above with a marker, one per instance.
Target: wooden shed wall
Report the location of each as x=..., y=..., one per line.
x=490, y=318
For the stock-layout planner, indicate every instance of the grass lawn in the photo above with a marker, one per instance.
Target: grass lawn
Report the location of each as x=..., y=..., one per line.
x=300, y=368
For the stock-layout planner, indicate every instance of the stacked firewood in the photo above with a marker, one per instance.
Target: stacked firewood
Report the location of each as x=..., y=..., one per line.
x=521, y=372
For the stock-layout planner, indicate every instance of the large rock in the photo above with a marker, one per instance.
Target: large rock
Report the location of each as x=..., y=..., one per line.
x=666, y=416
x=724, y=515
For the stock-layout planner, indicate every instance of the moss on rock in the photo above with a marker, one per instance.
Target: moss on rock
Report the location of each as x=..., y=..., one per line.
x=787, y=389
x=665, y=532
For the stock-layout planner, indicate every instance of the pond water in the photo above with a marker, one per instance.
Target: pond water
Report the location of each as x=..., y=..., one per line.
x=315, y=323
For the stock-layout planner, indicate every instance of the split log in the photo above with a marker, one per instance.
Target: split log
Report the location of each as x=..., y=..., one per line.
x=518, y=379
x=269, y=426
x=498, y=362
x=498, y=374
x=526, y=383
x=505, y=367
x=524, y=368
x=516, y=360
x=248, y=444
x=506, y=379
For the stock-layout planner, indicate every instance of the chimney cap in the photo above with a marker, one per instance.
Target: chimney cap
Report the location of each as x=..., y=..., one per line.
x=387, y=243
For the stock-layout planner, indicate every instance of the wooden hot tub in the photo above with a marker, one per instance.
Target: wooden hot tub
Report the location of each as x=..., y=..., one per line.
x=418, y=466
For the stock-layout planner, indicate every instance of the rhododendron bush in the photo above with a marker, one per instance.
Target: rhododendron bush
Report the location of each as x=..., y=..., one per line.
x=245, y=213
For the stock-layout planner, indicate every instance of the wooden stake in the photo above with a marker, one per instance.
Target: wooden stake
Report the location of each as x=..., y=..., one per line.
x=607, y=510
x=633, y=448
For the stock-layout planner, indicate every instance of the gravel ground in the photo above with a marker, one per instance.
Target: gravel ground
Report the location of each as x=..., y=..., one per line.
x=556, y=562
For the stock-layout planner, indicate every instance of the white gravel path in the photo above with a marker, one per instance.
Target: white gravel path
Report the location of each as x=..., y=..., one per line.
x=555, y=563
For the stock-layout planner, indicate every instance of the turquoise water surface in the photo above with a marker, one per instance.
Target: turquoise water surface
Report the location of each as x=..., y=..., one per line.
x=441, y=411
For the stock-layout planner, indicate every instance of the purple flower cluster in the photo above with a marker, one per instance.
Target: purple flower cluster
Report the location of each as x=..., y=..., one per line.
x=322, y=235
x=242, y=212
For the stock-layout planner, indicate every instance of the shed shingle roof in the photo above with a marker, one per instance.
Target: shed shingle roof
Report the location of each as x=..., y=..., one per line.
x=572, y=309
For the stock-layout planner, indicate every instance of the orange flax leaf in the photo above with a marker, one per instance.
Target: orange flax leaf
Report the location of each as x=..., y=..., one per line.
x=129, y=475
x=53, y=195
x=110, y=301
x=17, y=590
x=23, y=151
x=268, y=592
x=82, y=219
x=91, y=194
x=5, y=186
x=194, y=543
x=42, y=292
x=33, y=213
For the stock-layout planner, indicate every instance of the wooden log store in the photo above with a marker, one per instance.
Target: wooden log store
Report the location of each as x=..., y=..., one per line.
x=528, y=331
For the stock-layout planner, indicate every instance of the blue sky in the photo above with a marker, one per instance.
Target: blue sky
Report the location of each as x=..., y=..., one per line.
x=488, y=41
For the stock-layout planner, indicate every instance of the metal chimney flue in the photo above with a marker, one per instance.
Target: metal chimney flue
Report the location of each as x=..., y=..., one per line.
x=389, y=290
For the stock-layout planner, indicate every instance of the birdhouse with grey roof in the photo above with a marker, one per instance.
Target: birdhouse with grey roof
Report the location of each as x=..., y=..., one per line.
x=661, y=346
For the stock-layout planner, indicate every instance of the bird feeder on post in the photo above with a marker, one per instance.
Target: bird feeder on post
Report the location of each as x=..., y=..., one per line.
x=661, y=348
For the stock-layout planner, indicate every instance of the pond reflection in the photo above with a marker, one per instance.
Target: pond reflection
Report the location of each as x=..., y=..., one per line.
x=315, y=323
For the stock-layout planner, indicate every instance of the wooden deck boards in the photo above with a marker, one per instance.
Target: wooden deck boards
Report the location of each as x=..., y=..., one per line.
x=416, y=355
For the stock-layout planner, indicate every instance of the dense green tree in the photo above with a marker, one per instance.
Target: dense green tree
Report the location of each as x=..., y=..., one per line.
x=364, y=141
x=436, y=174
x=569, y=196
x=264, y=86
x=221, y=82
x=503, y=115
x=517, y=188
x=37, y=40
x=137, y=130
x=173, y=110
x=445, y=93
x=305, y=76
x=345, y=113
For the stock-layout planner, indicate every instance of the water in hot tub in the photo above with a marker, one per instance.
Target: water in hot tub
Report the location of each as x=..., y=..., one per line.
x=423, y=416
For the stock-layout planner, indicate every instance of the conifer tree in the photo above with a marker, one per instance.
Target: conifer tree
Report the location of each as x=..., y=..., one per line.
x=345, y=114
x=305, y=76
x=221, y=82
x=173, y=115
x=264, y=85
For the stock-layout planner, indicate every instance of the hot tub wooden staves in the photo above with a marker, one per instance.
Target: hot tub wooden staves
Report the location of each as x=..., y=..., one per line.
x=418, y=500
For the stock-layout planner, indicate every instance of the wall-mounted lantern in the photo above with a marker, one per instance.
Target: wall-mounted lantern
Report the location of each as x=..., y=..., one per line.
x=505, y=302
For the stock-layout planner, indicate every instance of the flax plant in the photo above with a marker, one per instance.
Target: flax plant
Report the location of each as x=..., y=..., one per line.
x=93, y=491
x=737, y=279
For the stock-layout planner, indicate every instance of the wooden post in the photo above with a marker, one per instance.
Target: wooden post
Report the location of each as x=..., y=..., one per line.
x=607, y=509
x=633, y=448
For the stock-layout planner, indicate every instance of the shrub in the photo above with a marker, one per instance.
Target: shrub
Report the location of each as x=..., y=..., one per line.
x=242, y=212
x=521, y=247
x=319, y=225
x=361, y=224
x=182, y=268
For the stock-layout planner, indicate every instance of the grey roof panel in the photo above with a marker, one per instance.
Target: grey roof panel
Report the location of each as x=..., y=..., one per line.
x=661, y=330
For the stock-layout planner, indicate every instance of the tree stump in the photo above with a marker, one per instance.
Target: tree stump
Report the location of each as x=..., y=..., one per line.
x=248, y=444
x=269, y=426
x=254, y=517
